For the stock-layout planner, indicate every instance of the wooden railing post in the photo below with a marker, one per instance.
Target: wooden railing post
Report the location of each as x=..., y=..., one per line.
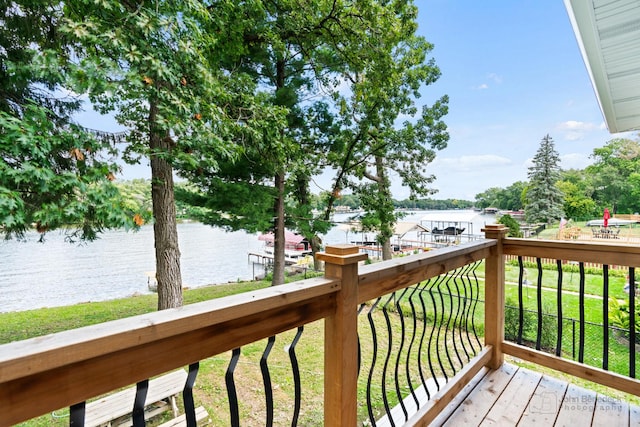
x=494, y=295
x=341, y=337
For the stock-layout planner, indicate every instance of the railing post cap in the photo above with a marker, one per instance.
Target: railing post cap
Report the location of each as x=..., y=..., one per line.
x=497, y=230
x=341, y=254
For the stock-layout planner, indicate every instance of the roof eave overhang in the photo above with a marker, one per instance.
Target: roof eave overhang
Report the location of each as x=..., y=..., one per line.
x=615, y=106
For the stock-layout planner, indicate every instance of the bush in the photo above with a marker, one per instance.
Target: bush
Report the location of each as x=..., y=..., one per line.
x=514, y=228
x=530, y=325
x=512, y=321
x=619, y=316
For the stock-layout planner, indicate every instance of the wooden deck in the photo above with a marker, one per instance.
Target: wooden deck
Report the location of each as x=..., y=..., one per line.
x=513, y=396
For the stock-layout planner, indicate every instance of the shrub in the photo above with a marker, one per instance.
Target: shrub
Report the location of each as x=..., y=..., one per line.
x=619, y=315
x=530, y=325
x=512, y=224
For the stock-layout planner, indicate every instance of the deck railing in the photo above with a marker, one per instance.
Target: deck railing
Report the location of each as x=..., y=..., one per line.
x=565, y=302
x=404, y=336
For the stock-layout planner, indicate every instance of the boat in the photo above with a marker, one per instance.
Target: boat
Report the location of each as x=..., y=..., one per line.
x=296, y=248
x=449, y=231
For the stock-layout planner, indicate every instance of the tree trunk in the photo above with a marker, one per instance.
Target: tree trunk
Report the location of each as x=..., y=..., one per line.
x=165, y=230
x=384, y=192
x=278, y=232
x=316, y=246
x=278, y=210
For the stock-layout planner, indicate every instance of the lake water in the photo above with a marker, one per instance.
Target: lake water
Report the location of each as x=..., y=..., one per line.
x=56, y=273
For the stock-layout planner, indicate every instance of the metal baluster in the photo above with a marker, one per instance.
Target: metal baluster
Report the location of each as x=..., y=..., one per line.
x=231, y=388
x=539, y=300
x=475, y=304
x=559, y=308
x=296, y=376
x=374, y=358
x=385, y=365
x=457, y=321
x=605, y=317
x=436, y=331
x=581, y=306
x=76, y=414
x=414, y=317
x=138, y=405
x=520, y=299
x=360, y=310
x=421, y=345
x=266, y=380
x=448, y=322
x=632, y=322
x=463, y=326
x=187, y=395
x=402, y=338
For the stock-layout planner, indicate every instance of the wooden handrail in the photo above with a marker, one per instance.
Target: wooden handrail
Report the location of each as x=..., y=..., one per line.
x=384, y=278
x=600, y=253
x=47, y=373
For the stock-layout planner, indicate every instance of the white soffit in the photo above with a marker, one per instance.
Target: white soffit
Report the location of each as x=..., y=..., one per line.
x=608, y=33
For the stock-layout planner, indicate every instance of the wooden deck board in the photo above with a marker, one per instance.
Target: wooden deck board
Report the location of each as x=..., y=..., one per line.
x=577, y=408
x=513, y=396
x=475, y=407
x=457, y=401
x=611, y=412
x=509, y=407
x=634, y=416
x=544, y=405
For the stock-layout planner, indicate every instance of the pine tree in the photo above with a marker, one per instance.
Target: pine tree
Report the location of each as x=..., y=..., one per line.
x=544, y=199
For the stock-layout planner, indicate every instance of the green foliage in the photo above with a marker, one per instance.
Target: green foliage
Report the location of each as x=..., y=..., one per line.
x=512, y=321
x=514, y=227
x=33, y=59
x=136, y=196
x=431, y=204
x=544, y=199
x=615, y=175
x=54, y=177
x=577, y=205
x=548, y=333
x=510, y=198
x=619, y=315
x=237, y=205
x=369, y=144
x=52, y=173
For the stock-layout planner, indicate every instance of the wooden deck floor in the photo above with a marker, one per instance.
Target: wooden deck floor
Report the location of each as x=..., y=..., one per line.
x=513, y=396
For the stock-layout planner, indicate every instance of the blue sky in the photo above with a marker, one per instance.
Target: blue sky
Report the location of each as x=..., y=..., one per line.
x=514, y=73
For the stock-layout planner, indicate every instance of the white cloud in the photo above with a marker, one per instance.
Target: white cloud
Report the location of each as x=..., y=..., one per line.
x=574, y=130
x=573, y=125
x=495, y=78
